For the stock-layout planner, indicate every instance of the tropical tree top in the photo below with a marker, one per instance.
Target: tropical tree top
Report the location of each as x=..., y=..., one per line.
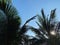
x=46, y=23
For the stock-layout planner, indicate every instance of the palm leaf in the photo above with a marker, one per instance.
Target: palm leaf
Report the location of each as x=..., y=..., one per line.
x=43, y=15
x=13, y=21
x=52, y=14
x=34, y=30
x=30, y=19
x=42, y=12
x=24, y=27
x=40, y=19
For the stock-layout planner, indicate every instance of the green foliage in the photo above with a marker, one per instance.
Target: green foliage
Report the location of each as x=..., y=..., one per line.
x=23, y=30
x=11, y=33
x=3, y=27
x=9, y=1
x=46, y=24
x=13, y=21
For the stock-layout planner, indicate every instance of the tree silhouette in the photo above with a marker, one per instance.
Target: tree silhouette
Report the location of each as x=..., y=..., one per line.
x=46, y=30
x=23, y=29
x=12, y=32
x=12, y=24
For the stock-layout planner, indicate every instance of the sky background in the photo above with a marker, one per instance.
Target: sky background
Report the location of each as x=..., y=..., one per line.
x=30, y=8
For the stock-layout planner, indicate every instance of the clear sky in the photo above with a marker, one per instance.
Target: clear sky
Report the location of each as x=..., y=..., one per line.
x=29, y=8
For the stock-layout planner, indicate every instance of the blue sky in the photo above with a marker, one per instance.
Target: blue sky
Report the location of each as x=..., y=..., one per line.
x=29, y=8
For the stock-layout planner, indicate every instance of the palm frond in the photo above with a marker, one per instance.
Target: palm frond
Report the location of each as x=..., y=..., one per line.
x=35, y=30
x=13, y=21
x=52, y=14
x=43, y=15
x=40, y=26
x=40, y=19
x=39, y=33
x=24, y=27
x=42, y=12
x=30, y=19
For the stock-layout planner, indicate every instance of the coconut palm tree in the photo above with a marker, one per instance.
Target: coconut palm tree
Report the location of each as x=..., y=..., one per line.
x=46, y=30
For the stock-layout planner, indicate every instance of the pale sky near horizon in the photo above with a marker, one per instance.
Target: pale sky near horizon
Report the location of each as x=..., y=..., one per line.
x=29, y=8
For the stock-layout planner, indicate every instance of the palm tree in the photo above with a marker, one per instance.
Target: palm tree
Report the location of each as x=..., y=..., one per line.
x=22, y=30
x=12, y=32
x=3, y=22
x=46, y=29
x=12, y=22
